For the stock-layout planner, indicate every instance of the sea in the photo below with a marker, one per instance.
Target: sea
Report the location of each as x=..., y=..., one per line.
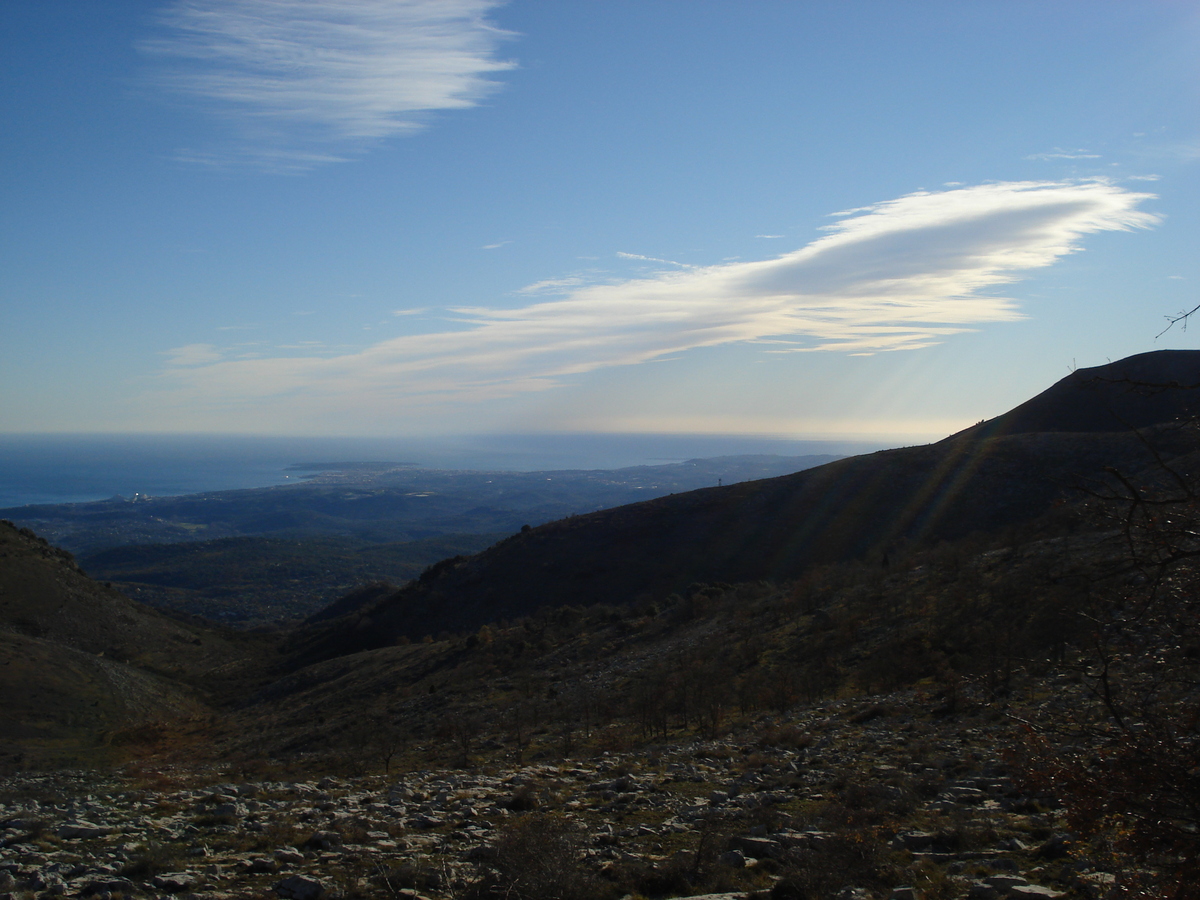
x=40, y=469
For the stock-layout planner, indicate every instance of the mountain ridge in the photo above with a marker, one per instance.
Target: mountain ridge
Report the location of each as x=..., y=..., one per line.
x=1005, y=472
x=1134, y=392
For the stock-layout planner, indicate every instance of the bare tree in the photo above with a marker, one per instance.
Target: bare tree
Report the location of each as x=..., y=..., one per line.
x=1127, y=766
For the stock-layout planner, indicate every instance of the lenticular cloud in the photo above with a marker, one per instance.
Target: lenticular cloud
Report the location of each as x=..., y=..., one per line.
x=900, y=275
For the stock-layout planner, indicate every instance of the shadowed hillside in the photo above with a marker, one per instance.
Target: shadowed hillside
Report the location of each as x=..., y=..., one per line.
x=246, y=581
x=80, y=661
x=1000, y=474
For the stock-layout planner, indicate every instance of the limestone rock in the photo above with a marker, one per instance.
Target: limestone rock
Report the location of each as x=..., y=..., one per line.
x=173, y=882
x=760, y=847
x=732, y=858
x=299, y=887
x=1034, y=892
x=83, y=830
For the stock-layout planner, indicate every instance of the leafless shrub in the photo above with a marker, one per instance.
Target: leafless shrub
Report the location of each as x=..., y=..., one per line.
x=524, y=799
x=153, y=859
x=854, y=858
x=1124, y=760
x=537, y=857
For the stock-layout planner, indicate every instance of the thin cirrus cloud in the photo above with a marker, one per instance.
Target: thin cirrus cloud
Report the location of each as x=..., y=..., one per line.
x=192, y=355
x=308, y=82
x=899, y=275
x=638, y=256
x=1059, y=153
x=552, y=285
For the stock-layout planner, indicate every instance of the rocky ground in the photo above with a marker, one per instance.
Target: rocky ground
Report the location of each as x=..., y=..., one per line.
x=852, y=800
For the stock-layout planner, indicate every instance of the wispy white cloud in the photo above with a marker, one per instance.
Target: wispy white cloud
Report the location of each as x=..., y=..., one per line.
x=899, y=275
x=1059, y=153
x=769, y=236
x=552, y=285
x=308, y=82
x=192, y=355
x=669, y=262
x=495, y=246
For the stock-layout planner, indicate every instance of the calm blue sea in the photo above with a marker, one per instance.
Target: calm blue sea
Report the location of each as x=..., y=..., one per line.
x=77, y=468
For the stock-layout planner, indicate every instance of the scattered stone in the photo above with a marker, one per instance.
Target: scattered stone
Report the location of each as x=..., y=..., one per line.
x=732, y=858
x=1011, y=887
x=452, y=818
x=1034, y=892
x=759, y=847
x=83, y=830
x=299, y=887
x=173, y=883
x=324, y=840
x=110, y=886
x=914, y=841
x=1005, y=883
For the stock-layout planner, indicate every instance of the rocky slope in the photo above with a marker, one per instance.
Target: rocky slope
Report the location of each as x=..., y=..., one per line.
x=840, y=799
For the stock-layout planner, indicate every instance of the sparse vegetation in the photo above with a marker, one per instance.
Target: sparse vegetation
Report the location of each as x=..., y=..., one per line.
x=787, y=737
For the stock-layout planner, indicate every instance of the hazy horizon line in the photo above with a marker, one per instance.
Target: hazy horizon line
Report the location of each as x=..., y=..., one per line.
x=815, y=436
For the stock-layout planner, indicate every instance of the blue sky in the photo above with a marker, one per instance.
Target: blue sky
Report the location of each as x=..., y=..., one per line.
x=856, y=219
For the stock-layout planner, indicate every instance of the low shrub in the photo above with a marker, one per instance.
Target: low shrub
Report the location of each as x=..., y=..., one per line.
x=151, y=860
x=536, y=857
